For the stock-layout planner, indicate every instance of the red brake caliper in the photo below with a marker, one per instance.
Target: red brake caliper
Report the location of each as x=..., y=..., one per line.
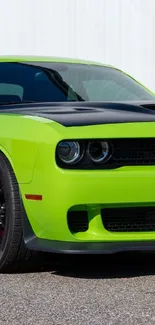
x=1, y=233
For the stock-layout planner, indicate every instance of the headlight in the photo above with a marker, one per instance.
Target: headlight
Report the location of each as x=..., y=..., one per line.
x=69, y=151
x=98, y=151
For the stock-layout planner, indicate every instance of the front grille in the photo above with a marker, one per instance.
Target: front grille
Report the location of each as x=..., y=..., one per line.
x=129, y=219
x=77, y=221
x=122, y=152
x=133, y=152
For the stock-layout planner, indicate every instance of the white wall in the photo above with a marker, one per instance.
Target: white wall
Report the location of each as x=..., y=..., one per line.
x=117, y=32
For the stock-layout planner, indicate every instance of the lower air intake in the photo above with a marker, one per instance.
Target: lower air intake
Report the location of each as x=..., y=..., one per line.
x=77, y=221
x=129, y=219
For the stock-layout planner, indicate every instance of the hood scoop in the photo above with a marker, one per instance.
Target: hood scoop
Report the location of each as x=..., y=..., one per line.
x=84, y=109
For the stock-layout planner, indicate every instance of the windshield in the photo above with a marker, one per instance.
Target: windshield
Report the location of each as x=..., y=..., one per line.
x=59, y=82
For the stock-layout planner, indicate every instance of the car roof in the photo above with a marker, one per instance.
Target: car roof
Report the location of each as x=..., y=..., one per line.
x=20, y=58
x=33, y=58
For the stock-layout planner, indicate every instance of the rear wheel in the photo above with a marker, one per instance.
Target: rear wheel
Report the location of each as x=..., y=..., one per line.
x=13, y=254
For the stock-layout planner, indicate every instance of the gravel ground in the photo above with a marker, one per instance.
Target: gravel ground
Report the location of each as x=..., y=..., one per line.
x=118, y=290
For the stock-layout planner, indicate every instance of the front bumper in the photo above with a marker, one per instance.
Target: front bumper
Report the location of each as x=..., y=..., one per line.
x=94, y=190
x=61, y=247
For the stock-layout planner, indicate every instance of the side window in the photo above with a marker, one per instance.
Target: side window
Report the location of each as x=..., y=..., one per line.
x=11, y=90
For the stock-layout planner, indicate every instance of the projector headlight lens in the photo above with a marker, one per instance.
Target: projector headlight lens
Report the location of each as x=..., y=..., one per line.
x=98, y=151
x=68, y=151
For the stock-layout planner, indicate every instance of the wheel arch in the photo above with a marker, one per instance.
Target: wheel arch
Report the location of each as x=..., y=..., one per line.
x=7, y=156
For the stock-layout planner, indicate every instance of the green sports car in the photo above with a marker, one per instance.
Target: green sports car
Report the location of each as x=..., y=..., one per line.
x=77, y=159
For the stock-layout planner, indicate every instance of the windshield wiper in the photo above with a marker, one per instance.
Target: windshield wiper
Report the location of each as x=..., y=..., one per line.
x=17, y=103
x=34, y=102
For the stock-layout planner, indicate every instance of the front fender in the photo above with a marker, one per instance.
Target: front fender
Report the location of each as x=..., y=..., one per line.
x=21, y=155
x=20, y=139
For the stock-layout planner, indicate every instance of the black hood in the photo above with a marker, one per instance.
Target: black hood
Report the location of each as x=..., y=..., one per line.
x=87, y=113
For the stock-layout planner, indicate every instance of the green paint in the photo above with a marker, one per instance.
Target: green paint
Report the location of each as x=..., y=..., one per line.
x=30, y=143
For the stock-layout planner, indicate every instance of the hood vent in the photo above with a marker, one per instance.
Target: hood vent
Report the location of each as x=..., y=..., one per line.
x=151, y=107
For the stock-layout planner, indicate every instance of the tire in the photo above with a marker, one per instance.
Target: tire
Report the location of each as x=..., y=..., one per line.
x=13, y=253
